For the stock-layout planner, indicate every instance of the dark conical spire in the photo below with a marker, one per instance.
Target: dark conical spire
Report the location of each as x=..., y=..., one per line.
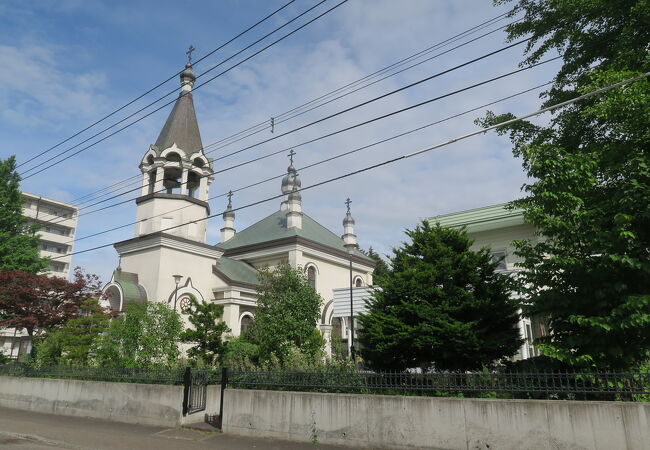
x=181, y=126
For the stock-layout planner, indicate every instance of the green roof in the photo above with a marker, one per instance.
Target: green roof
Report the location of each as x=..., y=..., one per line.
x=274, y=227
x=237, y=271
x=482, y=219
x=131, y=289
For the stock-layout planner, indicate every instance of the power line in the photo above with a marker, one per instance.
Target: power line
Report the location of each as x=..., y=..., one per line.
x=397, y=64
x=323, y=161
x=158, y=85
x=182, y=94
x=399, y=158
x=321, y=137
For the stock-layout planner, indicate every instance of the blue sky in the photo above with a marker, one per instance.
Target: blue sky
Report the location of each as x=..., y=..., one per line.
x=68, y=63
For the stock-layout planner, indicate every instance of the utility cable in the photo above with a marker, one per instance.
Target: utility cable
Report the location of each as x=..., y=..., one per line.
x=397, y=64
x=174, y=91
x=323, y=161
x=315, y=139
x=158, y=85
x=399, y=158
x=318, y=138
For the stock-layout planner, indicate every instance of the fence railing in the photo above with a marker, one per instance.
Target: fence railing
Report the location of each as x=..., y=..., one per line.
x=116, y=374
x=579, y=385
x=562, y=385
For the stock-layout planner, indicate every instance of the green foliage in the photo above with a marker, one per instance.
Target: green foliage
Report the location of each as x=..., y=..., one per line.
x=440, y=305
x=71, y=344
x=18, y=241
x=381, y=267
x=241, y=354
x=145, y=336
x=286, y=316
x=589, y=193
x=207, y=332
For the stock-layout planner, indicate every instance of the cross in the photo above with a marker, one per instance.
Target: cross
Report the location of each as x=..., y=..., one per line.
x=291, y=153
x=347, y=203
x=189, y=54
x=229, y=199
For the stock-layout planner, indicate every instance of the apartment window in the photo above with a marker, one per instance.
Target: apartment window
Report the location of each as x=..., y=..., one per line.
x=500, y=258
x=55, y=230
x=53, y=248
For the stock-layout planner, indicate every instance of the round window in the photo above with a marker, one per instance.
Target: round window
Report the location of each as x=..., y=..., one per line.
x=186, y=303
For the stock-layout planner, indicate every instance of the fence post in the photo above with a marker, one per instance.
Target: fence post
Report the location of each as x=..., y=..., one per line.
x=187, y=383
x=224, y=383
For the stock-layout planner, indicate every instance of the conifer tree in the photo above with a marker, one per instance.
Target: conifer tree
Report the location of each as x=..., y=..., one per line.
x=207, y=332
x=440, y=306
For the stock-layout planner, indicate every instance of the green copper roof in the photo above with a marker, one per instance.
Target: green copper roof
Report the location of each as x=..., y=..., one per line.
x=237, y=271
x=274, y=227
x=130, y=287
x=481, y=219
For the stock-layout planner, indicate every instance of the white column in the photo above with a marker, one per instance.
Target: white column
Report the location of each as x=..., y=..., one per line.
x=203, y=188
x=184, y=181
x=160, y=176
x=145, y=183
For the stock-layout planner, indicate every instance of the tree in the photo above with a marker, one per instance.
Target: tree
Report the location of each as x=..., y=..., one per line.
x=19, y=243
x=441, y=305
x=146, y=336
x=71, y=344
x=38, y=303
x=589, y=189
x=381, y=268
x=207, y=332
x=286, y=315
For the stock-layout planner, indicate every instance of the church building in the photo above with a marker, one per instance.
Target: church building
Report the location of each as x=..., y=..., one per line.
x=170, y=261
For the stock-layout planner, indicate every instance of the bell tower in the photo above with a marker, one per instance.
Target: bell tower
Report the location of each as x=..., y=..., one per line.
x=176, y=174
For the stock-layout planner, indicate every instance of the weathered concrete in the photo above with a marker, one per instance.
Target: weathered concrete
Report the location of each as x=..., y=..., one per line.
x=379, y=421
x=148, y=404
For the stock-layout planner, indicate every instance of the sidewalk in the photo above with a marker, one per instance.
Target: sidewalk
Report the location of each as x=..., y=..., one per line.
x=38, y=431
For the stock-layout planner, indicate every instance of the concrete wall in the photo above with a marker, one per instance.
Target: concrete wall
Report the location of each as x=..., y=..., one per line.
x=148, y=404
x=379, y=421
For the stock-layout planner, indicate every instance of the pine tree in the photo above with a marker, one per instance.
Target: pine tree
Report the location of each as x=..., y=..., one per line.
x=207, y=332
x=441, y=305
x=18, y=242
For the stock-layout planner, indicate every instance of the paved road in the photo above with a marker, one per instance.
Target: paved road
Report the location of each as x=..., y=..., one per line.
x=22, y=430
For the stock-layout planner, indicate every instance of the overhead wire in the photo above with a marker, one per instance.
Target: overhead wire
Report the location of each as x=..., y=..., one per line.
x=481, y=131
x=144, y=185
x=259, y=22
x=323, y=161
x=351, y=84
x=52, y=164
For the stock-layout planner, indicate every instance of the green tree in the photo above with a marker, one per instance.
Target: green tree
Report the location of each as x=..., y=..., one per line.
x=441, y=305
x=146, y=335
x=207, y=332
x=72, y=343
x=286, y=316
x=589, y=189
x=18, y=241
x=381, y=267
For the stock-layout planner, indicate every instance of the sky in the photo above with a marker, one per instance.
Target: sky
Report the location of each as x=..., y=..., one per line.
x=67, y=64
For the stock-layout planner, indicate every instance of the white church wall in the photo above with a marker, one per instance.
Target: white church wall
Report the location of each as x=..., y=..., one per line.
x=500, y=240
x=166, y=212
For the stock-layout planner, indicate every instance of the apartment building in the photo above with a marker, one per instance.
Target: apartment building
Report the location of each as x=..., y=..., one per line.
x=58, y=223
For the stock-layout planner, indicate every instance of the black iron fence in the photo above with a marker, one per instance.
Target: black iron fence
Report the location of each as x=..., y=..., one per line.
x=116, y=374
x=562, y=385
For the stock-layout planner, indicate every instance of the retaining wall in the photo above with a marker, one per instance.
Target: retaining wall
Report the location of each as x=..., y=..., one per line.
x=149, y=404
x=381, y=421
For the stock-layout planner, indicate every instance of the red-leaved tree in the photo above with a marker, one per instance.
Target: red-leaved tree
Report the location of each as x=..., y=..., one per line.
x=37, y=303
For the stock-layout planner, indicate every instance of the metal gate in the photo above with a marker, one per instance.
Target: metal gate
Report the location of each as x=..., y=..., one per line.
x=195, y=390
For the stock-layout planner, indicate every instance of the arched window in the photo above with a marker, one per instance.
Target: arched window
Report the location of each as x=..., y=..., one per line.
x=150, y=159
x=311, y=276
x=198, y=162
x=245, y=323
x=173, y=156
x=358, y=282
